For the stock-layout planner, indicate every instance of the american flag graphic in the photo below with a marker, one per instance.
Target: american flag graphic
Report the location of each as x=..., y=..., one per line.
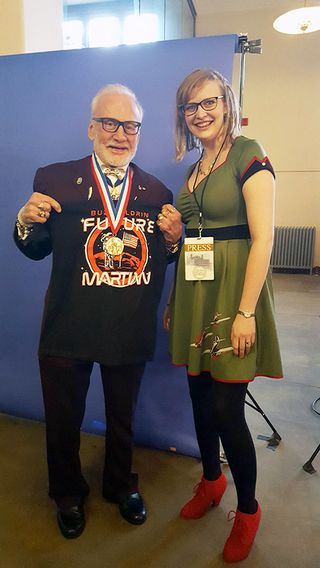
x=130, y=240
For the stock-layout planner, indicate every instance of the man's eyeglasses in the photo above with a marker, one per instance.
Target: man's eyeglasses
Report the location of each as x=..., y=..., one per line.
x=112, y=125
x=207, y=104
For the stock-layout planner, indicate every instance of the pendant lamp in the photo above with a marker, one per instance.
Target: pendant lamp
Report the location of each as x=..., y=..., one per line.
x=301, y=21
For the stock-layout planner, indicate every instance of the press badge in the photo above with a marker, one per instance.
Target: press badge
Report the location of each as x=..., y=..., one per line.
x=199, y=258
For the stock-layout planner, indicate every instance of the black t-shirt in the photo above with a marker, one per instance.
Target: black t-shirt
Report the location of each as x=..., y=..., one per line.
x=103, y=295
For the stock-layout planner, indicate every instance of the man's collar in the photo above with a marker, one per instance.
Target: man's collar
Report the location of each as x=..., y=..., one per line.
x=117, y=171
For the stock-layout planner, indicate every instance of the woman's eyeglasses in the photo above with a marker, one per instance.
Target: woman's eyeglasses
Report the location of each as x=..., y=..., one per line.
x=207, y=104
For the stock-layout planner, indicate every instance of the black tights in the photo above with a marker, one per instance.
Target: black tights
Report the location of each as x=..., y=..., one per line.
x=218, y=410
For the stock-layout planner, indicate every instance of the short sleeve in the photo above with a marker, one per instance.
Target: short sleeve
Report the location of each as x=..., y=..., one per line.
x=252, y=159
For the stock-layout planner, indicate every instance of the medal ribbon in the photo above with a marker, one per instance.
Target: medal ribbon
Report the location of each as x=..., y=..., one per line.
x=115, y=213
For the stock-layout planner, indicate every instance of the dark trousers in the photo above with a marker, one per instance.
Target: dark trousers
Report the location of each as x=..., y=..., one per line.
x=65, y=384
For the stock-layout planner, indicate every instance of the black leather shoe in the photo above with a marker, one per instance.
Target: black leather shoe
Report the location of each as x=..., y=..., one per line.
x=71, y=521
x=132, y=508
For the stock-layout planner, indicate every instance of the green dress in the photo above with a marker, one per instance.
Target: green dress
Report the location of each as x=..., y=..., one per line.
x=202, y=312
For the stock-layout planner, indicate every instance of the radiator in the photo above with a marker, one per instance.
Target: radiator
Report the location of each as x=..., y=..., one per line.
x=293, y=248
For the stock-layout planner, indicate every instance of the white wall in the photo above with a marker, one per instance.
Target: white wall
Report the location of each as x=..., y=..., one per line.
x=43, y=25
x=282, y=102
x=28, y=26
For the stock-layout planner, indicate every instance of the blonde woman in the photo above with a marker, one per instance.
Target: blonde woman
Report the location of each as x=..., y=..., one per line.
x=221, y=315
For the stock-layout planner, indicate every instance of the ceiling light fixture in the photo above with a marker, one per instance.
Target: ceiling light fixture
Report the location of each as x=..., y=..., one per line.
x=301, y=21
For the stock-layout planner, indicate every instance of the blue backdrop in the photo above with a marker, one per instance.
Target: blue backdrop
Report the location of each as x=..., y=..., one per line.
x=45, y=108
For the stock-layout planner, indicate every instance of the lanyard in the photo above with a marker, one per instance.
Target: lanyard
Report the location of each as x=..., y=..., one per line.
x=200, y=205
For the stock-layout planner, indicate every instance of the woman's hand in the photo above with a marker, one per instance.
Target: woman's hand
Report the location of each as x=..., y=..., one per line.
x=243, y=335
x=169, y=222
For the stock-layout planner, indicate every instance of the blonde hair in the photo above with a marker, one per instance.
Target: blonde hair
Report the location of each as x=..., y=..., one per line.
x=185, y=141
x=116, y=89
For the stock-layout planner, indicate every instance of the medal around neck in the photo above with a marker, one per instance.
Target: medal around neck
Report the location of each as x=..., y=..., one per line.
x=113, y=246
x=115, y=192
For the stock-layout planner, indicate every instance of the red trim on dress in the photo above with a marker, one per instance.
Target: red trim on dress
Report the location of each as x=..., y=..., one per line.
x=254, y=159
x=227, y=380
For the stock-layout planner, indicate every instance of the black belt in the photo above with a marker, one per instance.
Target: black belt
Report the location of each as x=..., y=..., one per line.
x=222, y=233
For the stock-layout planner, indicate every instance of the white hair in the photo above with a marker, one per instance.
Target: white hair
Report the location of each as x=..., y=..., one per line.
x=114, y=89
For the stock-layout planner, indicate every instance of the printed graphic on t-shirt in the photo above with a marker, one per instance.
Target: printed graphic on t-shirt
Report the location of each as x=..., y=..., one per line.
x=119, y=259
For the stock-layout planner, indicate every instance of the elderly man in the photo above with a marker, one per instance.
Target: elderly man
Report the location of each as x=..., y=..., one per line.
x=97, y=216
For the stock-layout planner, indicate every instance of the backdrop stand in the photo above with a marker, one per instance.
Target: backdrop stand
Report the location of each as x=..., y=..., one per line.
x=308, y=467
x=274, y=440
x=245, y=46
x=253, y=46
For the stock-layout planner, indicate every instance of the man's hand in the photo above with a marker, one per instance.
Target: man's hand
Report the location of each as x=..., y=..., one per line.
x=169, y=222
x=38, y=209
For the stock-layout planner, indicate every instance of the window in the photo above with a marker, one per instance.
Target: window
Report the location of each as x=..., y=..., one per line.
x=104, y=32
x=141, y=29
x=105, y=23
x=72, y=34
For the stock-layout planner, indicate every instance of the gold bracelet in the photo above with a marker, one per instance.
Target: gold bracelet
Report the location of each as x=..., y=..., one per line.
x=23, y=230
x=173, y=247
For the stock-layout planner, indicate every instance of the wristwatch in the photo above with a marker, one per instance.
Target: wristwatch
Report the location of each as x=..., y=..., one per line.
x=246, y=314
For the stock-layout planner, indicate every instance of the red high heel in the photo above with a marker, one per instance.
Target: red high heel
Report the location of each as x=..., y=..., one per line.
x=242, y=535
x=207, y=494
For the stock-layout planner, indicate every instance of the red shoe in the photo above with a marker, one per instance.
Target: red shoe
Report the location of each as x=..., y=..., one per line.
x=207, y=494
x=242, y=535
